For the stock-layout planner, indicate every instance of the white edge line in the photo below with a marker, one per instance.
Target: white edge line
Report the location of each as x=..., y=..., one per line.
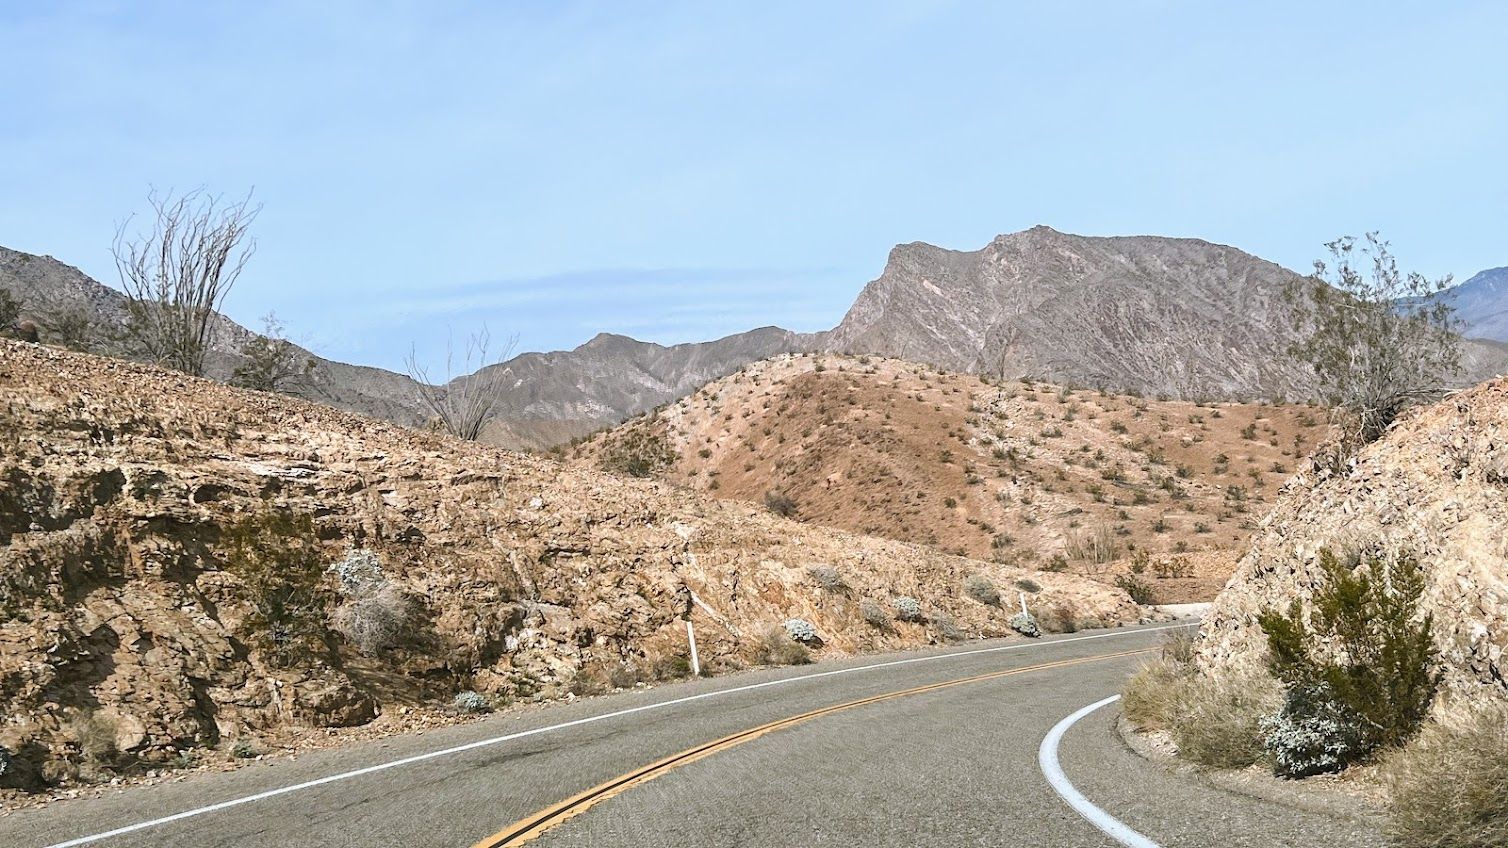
x=483, y=743
x=1047, y=758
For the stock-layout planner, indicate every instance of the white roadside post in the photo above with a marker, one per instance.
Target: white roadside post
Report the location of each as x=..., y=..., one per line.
x=696, y=665
x=1023, y=604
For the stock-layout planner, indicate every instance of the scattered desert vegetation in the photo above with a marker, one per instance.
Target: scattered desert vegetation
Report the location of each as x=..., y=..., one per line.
x=1162, y=493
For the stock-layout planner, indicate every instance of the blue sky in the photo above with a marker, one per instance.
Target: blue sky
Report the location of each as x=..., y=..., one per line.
x=681, y=171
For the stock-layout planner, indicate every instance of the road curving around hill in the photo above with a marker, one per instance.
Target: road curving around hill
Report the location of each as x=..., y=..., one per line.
x=927, y=748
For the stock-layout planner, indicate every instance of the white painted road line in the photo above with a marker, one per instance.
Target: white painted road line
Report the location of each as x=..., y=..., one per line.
x=483, y=743
x=1047, y=758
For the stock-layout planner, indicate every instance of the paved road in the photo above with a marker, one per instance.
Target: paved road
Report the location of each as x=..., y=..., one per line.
x=949, y=766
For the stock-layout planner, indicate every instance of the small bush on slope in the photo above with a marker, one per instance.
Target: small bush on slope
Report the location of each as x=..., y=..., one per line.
x=275, y=554
x=1449, y=788
x=828, y=578
x=1359, y=670
x=637, y=452
x=979, y=587
x=375, y=614
x=778, y=648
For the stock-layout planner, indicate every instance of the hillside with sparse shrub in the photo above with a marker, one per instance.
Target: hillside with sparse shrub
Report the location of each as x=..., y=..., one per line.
x=1154, y=495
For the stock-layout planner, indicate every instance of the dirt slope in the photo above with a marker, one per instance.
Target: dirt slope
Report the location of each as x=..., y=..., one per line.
x=126, y=637
x=1028, y=474
x=1436, y=485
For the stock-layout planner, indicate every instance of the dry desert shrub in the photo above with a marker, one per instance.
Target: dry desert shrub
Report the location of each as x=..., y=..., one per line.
x=1449, y=788
x=776, y=647
x=1215, y=720
x=979, y=587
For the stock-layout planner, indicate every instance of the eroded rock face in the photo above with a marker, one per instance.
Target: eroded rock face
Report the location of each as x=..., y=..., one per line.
x=1437, y=485
x=123, y=632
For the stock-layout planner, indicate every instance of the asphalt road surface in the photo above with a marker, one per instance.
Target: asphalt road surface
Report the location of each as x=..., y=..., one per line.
x=940, y=750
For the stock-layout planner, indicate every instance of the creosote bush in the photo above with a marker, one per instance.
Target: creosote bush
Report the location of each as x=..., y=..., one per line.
x=780, y=503
x=1449, y=787
x=1138, y=589
x=1359, y=669
x=639, y=451
x=979, y=587
x=275, y=554
x=1378, y=340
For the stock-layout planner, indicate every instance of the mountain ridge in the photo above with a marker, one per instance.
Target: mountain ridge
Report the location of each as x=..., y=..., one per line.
x=1177, y=316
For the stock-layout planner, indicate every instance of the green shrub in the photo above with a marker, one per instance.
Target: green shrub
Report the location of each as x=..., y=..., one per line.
x=1026, y=584
x=275, y=554
x=874, y=614
x=1360, y=669
x=1449, y=787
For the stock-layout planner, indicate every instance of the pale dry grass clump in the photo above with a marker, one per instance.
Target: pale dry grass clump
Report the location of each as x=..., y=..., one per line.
x=1449, y=787
x=1214, y=721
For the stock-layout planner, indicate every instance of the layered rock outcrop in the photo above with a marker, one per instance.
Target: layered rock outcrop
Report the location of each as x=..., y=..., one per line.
x=121, y=486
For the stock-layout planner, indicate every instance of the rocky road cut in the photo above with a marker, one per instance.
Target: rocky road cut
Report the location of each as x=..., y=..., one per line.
x=940, y=750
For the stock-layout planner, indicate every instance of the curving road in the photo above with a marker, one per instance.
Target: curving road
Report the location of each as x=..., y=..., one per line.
x=924, y=748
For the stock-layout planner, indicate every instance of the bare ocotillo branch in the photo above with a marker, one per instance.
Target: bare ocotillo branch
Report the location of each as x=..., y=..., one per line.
x=177, y=273
x=463, y=404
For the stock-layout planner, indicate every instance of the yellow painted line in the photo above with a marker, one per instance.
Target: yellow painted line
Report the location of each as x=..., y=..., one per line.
x=533, y=826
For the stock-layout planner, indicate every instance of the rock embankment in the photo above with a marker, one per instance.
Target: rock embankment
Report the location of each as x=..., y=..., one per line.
x=127, y=639
x=1436, y=485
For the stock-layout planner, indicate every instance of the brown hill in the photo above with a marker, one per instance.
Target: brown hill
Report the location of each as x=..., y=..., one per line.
x=1436, y=486
x=1042, y=476
x=165, y=546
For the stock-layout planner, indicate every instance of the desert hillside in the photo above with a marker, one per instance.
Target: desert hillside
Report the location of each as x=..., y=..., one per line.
x=166, y=580
x=1436, y=486
x=1029, y=474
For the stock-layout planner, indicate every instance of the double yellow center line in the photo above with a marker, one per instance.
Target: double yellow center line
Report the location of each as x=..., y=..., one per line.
x=533, y=826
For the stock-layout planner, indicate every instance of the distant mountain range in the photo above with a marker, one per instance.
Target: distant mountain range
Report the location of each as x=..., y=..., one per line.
x=1481, y=303
x=1162, y=316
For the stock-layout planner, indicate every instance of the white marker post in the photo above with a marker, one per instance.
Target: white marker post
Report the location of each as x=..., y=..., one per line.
x=696, y=665
x=1023, y=604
